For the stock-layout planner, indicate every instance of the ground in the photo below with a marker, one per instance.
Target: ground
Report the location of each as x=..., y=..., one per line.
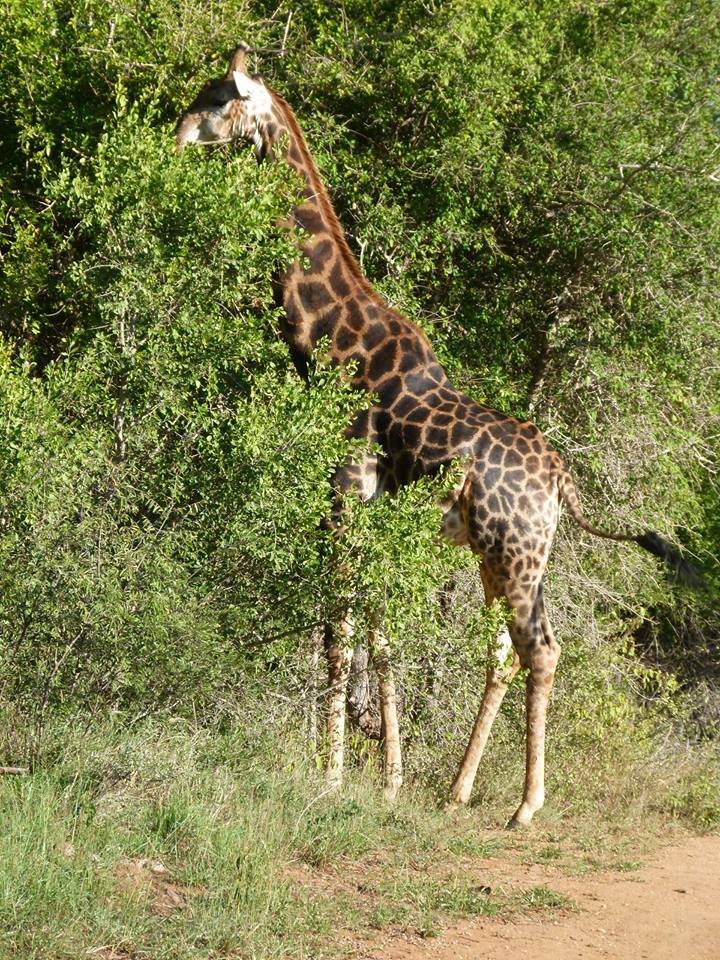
x=666, y=909
x=164, y=843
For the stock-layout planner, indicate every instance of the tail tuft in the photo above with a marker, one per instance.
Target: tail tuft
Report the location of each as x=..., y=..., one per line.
x=685, y=572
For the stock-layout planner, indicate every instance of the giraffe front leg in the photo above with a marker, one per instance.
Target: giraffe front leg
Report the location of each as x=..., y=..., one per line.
x=392, y=770
x=339, y=657
x=499, y=677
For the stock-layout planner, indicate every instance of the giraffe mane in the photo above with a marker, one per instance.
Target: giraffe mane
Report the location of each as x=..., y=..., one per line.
x=335, y=229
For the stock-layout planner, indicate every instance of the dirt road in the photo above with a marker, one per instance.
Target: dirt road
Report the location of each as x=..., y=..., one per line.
x=669, y=909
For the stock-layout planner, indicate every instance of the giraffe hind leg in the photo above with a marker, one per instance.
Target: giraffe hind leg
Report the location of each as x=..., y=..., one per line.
x=535, y=648
x=496, y=685
x=539, y=652
x=499, y=676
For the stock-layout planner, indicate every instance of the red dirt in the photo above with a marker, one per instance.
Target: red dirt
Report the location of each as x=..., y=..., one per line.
x=669, y=909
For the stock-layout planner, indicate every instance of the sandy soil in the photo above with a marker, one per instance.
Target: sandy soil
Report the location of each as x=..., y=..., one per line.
x=669, y=909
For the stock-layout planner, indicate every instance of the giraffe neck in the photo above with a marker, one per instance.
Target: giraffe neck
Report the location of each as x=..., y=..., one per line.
x=327, y=295
x=315, y=291
x=315, y=214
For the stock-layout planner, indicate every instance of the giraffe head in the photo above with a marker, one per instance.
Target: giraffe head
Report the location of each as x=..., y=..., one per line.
x=236, y=106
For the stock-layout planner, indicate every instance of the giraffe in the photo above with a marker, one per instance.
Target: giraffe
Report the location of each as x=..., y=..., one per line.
x=505, y=507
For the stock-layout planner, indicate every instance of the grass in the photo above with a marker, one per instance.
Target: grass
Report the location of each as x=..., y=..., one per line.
x=423, y=905
x=168, y=842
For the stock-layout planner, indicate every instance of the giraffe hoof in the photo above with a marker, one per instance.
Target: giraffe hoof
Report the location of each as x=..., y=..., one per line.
x=453, y=806
x=523, y=815
x=515, y=824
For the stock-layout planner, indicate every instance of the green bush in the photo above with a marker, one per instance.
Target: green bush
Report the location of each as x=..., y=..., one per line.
x=534, y=183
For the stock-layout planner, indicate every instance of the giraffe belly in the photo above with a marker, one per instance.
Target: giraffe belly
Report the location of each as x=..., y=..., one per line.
x=454, y=521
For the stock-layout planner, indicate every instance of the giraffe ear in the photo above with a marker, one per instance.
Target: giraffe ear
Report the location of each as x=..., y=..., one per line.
x=254, y=91
x=237, y=60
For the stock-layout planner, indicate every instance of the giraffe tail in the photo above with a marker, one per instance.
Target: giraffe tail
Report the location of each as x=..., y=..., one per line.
x=649, y=540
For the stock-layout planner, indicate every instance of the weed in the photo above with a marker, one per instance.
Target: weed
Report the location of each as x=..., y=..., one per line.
x=387, y=915
x=471, y=845
x=543, y=898
x=548, y=854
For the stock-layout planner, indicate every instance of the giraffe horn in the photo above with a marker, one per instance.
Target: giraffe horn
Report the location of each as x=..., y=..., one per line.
x=237, y=60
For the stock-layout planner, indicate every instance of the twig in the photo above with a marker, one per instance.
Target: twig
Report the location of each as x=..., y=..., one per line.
x=14, y=771
x=285, y=35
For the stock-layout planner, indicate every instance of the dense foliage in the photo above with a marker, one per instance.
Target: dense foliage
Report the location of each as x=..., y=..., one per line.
x=536, y=184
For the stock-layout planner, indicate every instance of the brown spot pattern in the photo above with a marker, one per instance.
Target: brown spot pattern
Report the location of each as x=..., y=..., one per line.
x=506, y=509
